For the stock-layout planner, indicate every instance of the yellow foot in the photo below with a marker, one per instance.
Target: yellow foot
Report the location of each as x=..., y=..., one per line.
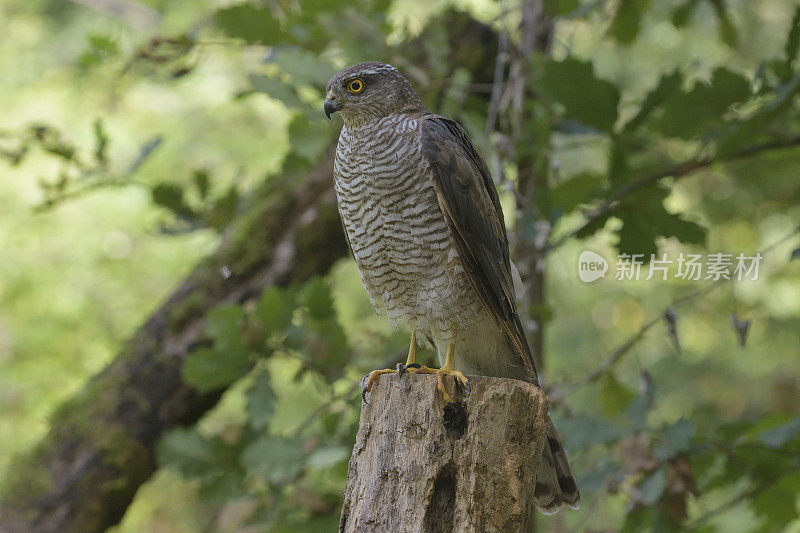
x=440, y=374
x=370, y=379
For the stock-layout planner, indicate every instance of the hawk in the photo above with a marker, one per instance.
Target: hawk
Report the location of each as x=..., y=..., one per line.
x=423, y=219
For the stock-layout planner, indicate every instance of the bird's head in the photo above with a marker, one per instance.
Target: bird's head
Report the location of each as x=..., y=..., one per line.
x=368, y=91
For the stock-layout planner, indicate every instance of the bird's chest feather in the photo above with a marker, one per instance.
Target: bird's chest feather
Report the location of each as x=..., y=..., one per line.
x=388, y=205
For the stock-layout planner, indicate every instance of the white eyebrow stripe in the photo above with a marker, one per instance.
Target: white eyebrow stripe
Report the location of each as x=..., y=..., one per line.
x=376, y=70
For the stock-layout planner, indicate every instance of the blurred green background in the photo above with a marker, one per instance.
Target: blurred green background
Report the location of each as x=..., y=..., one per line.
x=130, y=141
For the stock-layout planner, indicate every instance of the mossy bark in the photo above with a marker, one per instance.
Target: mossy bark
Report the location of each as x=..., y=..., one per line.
x=101, y=446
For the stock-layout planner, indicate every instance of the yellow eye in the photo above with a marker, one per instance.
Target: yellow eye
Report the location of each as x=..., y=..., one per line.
x=355, y=86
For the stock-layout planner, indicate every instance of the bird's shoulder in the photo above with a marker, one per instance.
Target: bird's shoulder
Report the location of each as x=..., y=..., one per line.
x=449, y=148
x=442, y=128
x=458, y=167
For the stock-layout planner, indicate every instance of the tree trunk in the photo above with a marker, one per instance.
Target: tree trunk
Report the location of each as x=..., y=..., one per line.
x=422, y=465
x=101, y=446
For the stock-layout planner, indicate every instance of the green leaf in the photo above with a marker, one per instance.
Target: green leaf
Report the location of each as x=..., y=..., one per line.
x=667, y=85
x=323, y=343
x=592, y=227
x=224, y=208
x=277, y=460
x=101, y=143
x=212, y=462
x=328, y=456
x=331, y=423
x=542, y=313
x=254, y=23
x=171, y=196
x=614, y=397
x=185, y=450
x=675, y=439
x=627, y=20
x=581, y=432
x=593, y=480
x=275, y=89
x=587, y=99
x=576, y=190
x=201, y=182
x=681, y=14
x=261, y=401
x=781, y=69
x=727, y=31
x=100, y=48
x=640, y=519
x=304, y=66
x=208, y=370
x=224, y=325
x=309, y=140
x=556, y=8
x=780, y=435
x=754, y=128
x=637, y=411
x=274, y=309
x=777, y=504
x=653, y=487
x=103, y=43
x=316, y=297
x=793, y=39
x=748, y=458
x=619, y=171
x=309, y=23
x=644, y=219
x=689, y=114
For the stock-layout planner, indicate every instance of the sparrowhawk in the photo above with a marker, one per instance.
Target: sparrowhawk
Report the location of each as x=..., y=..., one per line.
x=424, y=222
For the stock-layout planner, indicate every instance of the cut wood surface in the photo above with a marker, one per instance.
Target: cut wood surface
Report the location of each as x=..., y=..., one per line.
x=422, y=465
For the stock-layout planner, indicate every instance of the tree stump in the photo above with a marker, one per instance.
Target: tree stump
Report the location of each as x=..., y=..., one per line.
x=422, y=465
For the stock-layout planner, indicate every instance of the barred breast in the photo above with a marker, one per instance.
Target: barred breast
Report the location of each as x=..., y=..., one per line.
x=399, y=236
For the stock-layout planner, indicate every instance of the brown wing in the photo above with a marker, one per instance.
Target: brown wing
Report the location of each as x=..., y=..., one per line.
x=467, y=196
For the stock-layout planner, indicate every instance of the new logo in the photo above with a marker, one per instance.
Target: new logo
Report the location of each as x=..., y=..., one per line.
x=591, y=266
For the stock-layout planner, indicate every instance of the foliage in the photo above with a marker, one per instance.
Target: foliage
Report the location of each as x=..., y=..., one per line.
x=259, y=461
x=648, y=134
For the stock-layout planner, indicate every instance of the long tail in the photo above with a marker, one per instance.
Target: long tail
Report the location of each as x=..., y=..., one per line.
x=489, y=351
x=555, y=484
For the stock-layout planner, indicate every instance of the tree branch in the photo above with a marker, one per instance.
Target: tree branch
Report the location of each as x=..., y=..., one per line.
x=749, y=493
x=616, y=355
x=560, y=391
x=497, y=83
x=677, y=171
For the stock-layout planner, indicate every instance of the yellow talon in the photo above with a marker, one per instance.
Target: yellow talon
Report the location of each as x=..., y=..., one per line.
x=369, y=380
x=446, y=370
x=412, y=366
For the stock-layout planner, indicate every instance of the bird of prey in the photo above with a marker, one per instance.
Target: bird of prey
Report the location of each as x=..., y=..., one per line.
x=423, y=219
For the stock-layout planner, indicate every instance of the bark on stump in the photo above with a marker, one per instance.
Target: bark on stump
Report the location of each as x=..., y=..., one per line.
x=421, y=465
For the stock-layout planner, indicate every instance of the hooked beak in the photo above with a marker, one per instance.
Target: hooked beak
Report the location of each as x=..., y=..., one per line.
x=331, y=107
